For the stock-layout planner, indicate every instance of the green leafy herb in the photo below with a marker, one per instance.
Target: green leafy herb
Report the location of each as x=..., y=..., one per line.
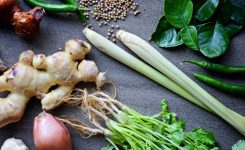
x=171, y=128
x=240, y=145
x=169, y=38
x=202, y=136
x=213, y=40
x=189, y=36
x=162, y=26
x=197, y=4
x=238, y=11
x=181, y=16
x=224, y=14
x=233, y=28
x=127, y=129
x=207, y=10
x=165, y=35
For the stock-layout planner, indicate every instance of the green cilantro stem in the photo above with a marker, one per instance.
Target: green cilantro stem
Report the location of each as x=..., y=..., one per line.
x=128, y=129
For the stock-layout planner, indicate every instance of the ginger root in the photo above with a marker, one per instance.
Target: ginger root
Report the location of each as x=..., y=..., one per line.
x=34, y=75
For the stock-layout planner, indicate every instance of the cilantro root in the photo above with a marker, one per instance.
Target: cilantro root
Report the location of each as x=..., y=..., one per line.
x=126, y=128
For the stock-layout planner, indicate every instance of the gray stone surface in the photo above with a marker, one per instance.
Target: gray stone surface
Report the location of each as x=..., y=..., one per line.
x=134, y=89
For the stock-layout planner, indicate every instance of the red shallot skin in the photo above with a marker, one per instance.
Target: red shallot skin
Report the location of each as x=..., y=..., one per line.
x=26, y=24
x=50, y=133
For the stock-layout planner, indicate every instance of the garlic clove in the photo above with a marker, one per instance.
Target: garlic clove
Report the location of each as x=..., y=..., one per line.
x=14, y=144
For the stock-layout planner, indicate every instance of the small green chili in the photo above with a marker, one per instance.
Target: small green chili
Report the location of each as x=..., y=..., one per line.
x=69, y=6
x=218, y=67
x=226, y=87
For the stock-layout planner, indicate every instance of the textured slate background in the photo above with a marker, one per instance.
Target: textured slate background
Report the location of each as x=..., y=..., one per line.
x=133, y=89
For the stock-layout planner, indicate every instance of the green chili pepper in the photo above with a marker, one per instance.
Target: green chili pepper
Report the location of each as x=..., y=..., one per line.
x=70, y=2
x=218, y=67
x=52, y=7
x=69, y=6
x=226, y=87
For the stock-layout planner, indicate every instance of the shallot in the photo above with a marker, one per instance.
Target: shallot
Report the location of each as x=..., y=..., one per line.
x=50, y=133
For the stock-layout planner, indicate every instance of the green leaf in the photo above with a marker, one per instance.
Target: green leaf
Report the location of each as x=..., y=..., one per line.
x=238, y=11
x=240, y=145
x=207, y=10
x=213, y=40
x=233, y=28
x=201, y=136
x=178, y=12
x=189, y=37
x=165, y=35
x=175, y=125
x=164, y=106
x=225, y=11
x=169, y=38
x=197, y=4
x=178, y=137
x=200, y=25
x=162, y=26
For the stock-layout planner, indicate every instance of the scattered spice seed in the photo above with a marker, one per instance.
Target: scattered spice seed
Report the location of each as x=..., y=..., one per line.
x=111, y=34
x=136, y=13
x=114, y=40
x=110, y=10
x=105, y=11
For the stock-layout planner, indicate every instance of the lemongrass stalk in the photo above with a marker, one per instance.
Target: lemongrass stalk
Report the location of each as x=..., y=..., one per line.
x=119, y=54
x=148, y=53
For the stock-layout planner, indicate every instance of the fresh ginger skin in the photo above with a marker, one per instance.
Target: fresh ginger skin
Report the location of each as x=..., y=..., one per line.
x=34, y=75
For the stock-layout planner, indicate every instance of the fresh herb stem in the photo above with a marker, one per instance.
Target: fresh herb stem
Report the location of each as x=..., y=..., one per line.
x=142, y=136
x=136, y=119
x=132, y=132
x=157, y=60
x=113, y=144
x=122, y=56
x=159, y=136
